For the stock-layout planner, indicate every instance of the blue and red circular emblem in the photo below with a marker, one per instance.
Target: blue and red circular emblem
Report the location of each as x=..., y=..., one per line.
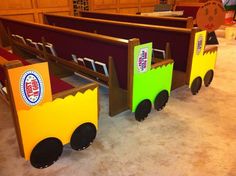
x=31, y=88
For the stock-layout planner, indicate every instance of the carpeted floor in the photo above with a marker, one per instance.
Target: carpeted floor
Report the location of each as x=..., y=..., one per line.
x=192, y=136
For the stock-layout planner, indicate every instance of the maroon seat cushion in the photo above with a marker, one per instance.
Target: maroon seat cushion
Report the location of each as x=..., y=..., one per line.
x=57, y=85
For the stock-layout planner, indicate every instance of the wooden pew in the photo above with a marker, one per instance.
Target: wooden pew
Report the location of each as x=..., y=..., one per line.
x=183, y=44
x=117, y=53
x=160, y=21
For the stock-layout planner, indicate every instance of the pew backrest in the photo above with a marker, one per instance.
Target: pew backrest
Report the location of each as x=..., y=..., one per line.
x=180, y=39
x=161, y=21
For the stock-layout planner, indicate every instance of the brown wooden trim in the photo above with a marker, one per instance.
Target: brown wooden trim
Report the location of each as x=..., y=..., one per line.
x=32, y=11
x=165, y=28
x=4, y=98
x=132, y=43
x=75, y=90
x=77, y=68
x=190, y=23
x=168, y=51
x=9, y=65
x=27, y=48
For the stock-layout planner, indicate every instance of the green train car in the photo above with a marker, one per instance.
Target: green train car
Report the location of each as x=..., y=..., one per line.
x=151, y=81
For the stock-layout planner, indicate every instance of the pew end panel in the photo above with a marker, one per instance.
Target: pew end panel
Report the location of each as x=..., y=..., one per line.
x=118, y=97
x=67, y=114
x=203, y=63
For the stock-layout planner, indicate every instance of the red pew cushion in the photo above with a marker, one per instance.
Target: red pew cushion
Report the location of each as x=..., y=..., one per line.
x=57, y=85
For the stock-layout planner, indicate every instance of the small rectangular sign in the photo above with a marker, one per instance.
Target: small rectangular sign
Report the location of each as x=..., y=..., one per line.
x=142, y=58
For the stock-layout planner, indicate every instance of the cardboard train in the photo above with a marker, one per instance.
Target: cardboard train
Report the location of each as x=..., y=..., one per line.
x=119, y=55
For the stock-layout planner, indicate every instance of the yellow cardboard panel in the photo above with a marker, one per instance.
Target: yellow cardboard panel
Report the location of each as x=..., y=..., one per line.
x=201, y=62
x=57, y=119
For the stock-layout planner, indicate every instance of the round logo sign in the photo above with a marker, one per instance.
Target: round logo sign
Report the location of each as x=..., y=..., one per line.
x=31, y=88
x=143, y=60
x=199, y=44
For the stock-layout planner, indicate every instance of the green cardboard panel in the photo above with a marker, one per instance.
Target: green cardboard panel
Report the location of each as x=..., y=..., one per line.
x=147, y=82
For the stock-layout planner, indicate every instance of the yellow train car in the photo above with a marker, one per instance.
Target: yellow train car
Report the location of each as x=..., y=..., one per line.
x=203, y=63
x=43, y=123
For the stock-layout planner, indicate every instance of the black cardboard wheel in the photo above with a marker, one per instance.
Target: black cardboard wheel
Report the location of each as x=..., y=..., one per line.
x=142, y=110
x=161, y=100
x=208, y=77
x=83, y=136
x=46, y=152
x=196, y=85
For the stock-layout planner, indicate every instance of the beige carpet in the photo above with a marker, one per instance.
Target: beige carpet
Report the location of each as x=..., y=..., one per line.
x=192, y=136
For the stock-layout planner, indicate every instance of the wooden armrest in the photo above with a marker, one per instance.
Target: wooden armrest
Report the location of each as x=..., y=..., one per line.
x=2, y=61
x=74, y=91
x=161, y=63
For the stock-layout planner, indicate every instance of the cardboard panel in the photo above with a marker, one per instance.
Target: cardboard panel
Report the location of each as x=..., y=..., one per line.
x=57, y=119
x=31, y=85
x=153, y=81
x=202, y=62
